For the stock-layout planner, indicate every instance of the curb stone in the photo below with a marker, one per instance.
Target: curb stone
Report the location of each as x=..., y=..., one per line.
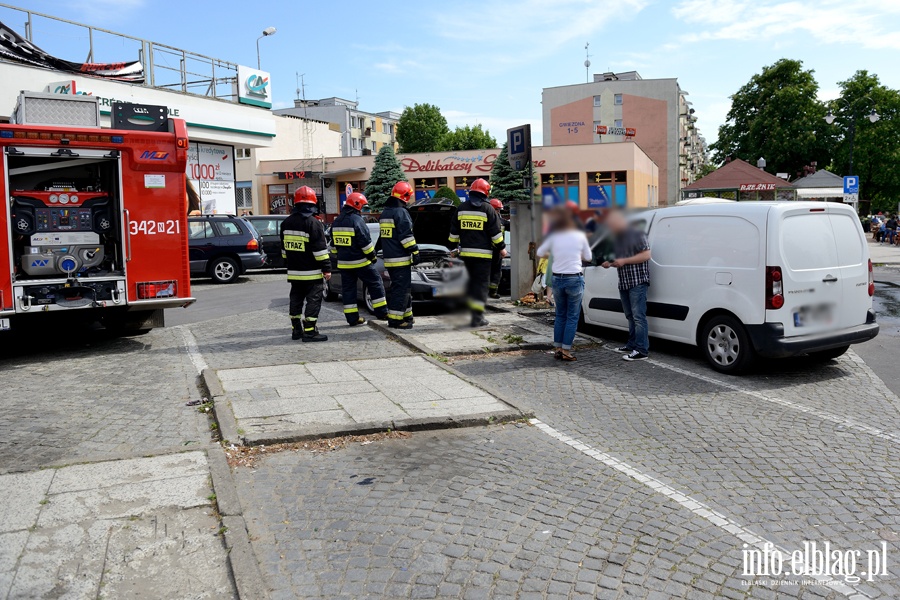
x=222, y=412
x=245, y=572
x=244, y=567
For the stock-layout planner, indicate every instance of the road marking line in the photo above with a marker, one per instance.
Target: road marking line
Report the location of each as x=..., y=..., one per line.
x=193, y=350
x=685, y=501
x=821, y=414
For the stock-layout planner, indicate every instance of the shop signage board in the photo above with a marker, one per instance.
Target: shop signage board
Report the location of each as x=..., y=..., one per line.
x=626, y=131
x=210, y=168
x=253, y=87
x=757, y=187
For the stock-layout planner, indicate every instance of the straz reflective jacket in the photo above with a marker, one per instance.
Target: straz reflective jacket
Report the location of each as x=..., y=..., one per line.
x=305, y=249
x=352, y=241
x=476, y=229
x=398, y=243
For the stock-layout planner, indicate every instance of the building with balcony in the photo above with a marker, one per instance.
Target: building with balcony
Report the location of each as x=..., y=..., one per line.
x=615, y=107
x=362, y=133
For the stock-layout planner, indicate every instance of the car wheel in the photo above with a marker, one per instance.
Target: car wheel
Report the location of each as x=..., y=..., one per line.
x=224, y=270
x=824, y=355
x=368, y=299
x=726, y=345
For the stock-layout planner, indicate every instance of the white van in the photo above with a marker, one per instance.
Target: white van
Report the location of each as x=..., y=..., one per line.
x=743, y=279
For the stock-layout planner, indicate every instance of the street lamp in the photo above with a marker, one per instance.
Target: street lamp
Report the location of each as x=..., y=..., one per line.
x=266, y=33
x=851, y=131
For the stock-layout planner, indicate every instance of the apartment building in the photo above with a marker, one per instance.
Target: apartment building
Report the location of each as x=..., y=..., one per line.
x=362, y=133
x=654, y=113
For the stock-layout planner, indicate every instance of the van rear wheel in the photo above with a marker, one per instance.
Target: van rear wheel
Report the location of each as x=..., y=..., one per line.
x=726, y=345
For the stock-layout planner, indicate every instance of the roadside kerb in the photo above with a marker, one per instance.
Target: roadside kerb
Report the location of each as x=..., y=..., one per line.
x=222, y=413
x=242, y=560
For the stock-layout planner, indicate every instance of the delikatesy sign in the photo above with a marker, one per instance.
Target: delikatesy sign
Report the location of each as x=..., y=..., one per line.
x=253, y=87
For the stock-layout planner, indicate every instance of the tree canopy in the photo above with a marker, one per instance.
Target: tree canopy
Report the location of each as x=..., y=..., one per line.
x=876, y=146
x=777, y=116
x=468, y=138
x=385, y=173
x=421, y=128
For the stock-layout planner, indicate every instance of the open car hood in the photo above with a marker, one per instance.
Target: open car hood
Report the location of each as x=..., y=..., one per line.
x=431, y=221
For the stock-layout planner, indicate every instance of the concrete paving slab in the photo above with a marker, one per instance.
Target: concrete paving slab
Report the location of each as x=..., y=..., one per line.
x=138, y=470
x=21, y=495
x=351, y=396
x=11, y=547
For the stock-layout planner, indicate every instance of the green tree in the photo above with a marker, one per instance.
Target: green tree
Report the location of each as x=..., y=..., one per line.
x=876, y=146
x=468, y=138
x=506, y=182
x=446, y=192
x=421, y=128
x=777, y=116
x=385, y=173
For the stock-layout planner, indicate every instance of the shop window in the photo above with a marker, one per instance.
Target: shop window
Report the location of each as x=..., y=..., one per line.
x=618, y=99
x=557, y=188
x=358, y=186
x=597, y=100
x=278, y=199
x=244, y=196
x=607, y=188
x=425, y=188
x=241, y=153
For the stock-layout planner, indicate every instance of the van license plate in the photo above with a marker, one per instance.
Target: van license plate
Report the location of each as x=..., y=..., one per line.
x=822, y=314
x=4, y=324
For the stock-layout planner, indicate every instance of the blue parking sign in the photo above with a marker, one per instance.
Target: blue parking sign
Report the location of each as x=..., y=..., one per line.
x=851, y=184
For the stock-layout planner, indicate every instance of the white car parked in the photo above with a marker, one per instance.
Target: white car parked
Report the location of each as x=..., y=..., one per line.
x=741, y=279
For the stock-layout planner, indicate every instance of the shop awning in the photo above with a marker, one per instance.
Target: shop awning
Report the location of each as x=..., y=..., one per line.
x=334, y=174
x=837, y=192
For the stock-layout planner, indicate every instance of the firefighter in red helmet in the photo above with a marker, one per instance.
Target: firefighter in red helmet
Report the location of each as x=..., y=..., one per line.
x=356, y=260
x=497, y=258
x=476, y=230
x=398, y=245
x=308, y=264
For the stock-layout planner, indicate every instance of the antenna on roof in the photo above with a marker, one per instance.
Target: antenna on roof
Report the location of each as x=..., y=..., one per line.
x=587, y=63
x=298, y=84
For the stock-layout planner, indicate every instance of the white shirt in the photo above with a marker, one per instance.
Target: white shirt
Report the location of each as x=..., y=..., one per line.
x=568, y=248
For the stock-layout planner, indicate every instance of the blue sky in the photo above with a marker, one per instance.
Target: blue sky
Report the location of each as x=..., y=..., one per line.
x=486, y=61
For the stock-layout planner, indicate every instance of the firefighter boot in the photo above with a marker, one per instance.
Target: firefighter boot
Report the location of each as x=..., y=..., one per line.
x=296, y=329
x=311, y=333
x=478, y=320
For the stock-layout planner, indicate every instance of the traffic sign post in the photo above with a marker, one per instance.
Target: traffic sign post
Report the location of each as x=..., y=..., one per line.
x=525, y=229
x=851, y=190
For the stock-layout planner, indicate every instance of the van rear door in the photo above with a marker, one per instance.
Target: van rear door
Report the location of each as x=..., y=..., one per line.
x=822, y=259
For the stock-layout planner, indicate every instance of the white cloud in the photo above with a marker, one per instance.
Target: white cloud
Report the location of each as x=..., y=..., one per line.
x=866, y=23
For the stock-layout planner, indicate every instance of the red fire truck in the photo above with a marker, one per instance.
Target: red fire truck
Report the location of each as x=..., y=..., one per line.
x=95, y=223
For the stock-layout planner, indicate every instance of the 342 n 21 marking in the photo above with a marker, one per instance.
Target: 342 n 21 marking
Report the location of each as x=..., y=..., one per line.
x=170, y=227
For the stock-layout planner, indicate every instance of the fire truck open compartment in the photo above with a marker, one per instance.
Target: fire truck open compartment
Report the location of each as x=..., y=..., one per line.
x=65, y=213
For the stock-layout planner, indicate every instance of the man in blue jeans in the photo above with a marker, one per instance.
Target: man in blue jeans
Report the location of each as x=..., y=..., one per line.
x=633, y=263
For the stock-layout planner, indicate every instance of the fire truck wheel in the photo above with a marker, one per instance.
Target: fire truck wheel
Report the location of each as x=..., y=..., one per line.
x=224, y=270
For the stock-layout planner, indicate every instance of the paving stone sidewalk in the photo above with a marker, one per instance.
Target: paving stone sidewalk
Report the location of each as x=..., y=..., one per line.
x=300, y=401
x=449, y=335
x=120, y=529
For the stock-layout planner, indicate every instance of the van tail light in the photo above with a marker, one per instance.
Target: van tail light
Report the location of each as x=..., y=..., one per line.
x=147, y=290
x=871, y=279
x=774, y=288
x=253, y=245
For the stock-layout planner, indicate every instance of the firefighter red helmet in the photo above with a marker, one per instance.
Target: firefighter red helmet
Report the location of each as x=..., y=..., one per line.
x=481, y=186
x=402, y=191
x=497, y=204
x=572, y=205
x=356, y=200
x=305, y=195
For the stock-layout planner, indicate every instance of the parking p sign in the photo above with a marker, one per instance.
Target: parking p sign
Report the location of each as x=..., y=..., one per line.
x=851, y=184
x=519, y=146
